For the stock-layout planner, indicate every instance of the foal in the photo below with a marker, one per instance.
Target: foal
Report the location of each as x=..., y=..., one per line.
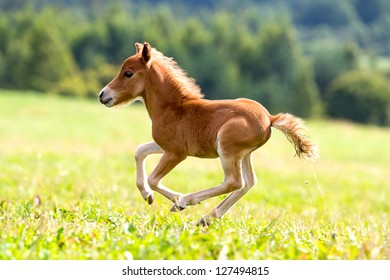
x=184, y=124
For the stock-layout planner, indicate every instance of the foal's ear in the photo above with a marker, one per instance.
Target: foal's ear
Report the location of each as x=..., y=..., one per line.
x=146, y=52
x=138, y=47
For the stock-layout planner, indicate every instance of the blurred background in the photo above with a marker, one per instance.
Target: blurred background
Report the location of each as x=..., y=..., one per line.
x=314, y=58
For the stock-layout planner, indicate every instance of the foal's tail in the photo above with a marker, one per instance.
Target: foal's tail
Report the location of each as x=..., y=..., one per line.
x=294, y=130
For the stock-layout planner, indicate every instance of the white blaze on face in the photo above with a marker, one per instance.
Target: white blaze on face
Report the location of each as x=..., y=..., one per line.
x=107, y=96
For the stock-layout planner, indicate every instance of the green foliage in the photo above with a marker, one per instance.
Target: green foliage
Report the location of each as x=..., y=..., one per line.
x=360, y=96
x=381, y=34
x=283, y=70
x=331, y=61
x=331, y=12
x=275, y=52
x=85, y=84
x=227, y=58
x=35, y=55
x=368, y=11
x=67, y=191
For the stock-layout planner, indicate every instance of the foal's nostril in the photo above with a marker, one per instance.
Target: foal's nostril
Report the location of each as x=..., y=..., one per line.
x=101, y=94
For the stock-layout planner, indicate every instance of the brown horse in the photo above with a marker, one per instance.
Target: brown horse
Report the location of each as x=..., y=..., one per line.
x=184, y=124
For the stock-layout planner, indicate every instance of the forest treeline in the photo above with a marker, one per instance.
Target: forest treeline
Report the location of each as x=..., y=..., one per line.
x=307, y=57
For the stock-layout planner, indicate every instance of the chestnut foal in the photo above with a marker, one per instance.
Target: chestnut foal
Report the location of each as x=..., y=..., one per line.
x=184, y=124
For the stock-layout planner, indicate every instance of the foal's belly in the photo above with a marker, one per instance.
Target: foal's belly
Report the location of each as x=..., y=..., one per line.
x=201, y=146
x=203, y=153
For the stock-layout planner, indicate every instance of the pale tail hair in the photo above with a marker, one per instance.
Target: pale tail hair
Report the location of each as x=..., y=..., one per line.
x=294, y=130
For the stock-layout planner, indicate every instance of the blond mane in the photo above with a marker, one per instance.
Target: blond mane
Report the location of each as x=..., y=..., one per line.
x=185, y=86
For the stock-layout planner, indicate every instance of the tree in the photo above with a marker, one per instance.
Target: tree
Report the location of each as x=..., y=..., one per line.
x=35, y=54
x=360, y=96
x=51, y=60
x=334, y=13
x=331, y=61
x=284, y=69
x=368, y=11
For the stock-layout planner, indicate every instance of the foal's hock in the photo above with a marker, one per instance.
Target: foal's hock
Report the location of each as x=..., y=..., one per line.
x=184, y=124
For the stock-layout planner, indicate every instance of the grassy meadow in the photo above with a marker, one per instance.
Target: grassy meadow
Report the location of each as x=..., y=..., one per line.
x=67, y=191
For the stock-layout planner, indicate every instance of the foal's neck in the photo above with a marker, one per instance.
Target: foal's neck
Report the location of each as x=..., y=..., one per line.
x=161, y=94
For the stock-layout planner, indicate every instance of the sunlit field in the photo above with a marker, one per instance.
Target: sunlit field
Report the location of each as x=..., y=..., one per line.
x=67, y=191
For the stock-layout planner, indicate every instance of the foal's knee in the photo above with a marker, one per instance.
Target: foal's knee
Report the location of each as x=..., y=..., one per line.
x=250, y=181
x=153, y=182
x=139, y=153
x=233, y=184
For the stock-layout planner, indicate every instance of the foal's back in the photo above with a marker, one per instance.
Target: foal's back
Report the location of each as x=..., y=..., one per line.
x=204, y=126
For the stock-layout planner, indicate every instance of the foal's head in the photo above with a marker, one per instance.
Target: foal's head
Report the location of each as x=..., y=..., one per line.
x=129, y=84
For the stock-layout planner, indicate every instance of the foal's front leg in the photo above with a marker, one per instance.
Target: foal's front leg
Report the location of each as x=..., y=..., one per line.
x=167, y=162
x=140, y=154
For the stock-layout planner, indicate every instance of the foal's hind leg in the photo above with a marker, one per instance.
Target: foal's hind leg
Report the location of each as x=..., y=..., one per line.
x=227, y=203
x=140, y=154
x=233, y=181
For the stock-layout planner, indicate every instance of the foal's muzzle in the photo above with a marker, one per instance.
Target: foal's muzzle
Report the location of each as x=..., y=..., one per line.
x=105, y=98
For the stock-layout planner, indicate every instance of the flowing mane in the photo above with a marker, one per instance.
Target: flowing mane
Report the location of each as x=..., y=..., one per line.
x=185, y=86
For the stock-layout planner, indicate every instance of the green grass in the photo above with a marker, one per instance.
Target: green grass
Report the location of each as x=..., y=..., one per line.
x=67, y=191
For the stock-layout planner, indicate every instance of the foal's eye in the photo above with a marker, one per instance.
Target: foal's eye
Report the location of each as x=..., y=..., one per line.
x=128, y=74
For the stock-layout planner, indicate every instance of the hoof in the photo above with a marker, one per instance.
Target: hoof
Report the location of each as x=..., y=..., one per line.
x=204, y=222
x=149, y=199
x=176, y=208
